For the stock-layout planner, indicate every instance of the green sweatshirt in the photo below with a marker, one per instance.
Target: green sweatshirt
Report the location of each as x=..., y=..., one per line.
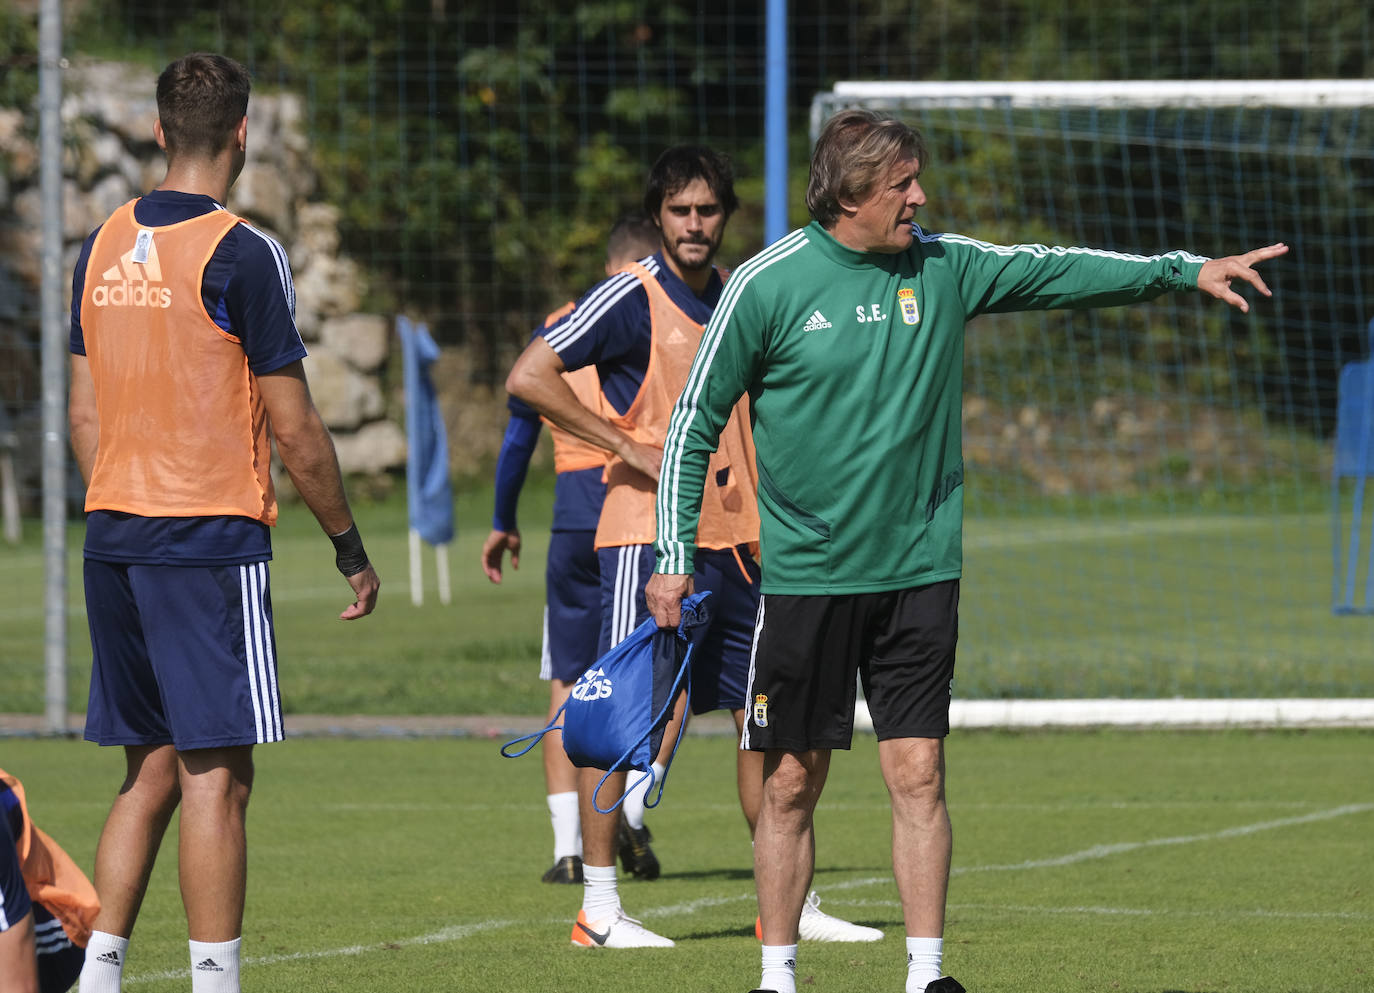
x=853, y=363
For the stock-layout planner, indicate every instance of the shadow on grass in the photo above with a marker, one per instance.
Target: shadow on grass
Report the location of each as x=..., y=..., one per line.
x=730, y=932
x=743, y=872
x=729, y=874
x=830, y=870
x=748, y=932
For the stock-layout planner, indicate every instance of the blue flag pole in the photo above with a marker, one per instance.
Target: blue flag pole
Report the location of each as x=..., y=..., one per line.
x=429, y=493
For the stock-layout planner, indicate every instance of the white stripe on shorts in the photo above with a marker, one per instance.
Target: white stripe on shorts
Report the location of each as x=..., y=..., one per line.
x=49, y=937
x=257, y=641
x=749, y=680
x=623, y=605
x=545, y=655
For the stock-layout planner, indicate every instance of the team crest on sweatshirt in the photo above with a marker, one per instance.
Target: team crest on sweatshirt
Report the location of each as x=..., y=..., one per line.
x=906, y=302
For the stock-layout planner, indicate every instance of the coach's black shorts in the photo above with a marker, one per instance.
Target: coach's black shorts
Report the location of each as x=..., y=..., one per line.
x=806, y=652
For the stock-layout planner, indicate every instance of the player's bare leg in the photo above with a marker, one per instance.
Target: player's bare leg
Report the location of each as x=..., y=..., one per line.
x=602, y=923
x=922, y=841
x=785, y=841
x=636, y=855
x=560, y=775
x=560, y=787
x=124, y=859
x=598, y=829
x=748, y=776
x=215, y=784
x=133, y=833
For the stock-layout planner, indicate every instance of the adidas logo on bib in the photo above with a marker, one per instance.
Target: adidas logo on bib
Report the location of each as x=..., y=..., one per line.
x=136, y=281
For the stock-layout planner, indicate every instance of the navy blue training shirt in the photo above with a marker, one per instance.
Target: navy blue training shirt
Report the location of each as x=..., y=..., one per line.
x=248, y=291
x=609, y=327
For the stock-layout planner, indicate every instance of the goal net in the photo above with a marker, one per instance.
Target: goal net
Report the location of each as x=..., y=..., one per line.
x=1149, y=488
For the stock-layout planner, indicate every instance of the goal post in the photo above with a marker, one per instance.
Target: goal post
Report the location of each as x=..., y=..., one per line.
x=1163, y=470
x=1302, y=93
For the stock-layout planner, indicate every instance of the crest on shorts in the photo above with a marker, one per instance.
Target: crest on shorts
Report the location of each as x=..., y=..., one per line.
x=761, y=709
x=906, y=302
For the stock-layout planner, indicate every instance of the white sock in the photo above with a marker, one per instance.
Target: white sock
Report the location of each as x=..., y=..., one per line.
x=600, y=897
x=567, y=824
x=215, y=966
x=104, y=966
x=779, y=968
x=634, y=800
x=922, y=962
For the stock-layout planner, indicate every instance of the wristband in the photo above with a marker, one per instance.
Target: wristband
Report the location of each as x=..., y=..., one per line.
x=349, y=556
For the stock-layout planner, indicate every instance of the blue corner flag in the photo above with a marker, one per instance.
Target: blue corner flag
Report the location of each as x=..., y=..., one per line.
x=1354, y=459
x=429, y=492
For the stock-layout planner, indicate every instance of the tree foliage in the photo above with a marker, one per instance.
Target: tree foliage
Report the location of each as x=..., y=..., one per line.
x=480, y=149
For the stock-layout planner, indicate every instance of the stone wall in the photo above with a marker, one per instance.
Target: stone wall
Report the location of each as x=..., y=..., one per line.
x=110, y=156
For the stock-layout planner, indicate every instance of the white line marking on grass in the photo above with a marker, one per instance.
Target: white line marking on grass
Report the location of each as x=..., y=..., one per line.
x=692, y=906
x=1296, y=915
x=455, y=933
x=1051, y=807
x=1317, y=915
x=1105, y=851
x=460, y=931
x=421, y=808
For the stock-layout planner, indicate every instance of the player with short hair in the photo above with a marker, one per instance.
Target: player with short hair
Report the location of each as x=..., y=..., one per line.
x=186, y=365
x=572, y=578
x=848, y=337
x=640, y=329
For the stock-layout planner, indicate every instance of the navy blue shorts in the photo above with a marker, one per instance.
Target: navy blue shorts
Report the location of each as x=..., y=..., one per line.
x=182, y=655
x=572, y=606
x=59, y=959
x=720, y=672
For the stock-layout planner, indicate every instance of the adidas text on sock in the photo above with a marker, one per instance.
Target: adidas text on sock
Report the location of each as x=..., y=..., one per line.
x=103, y=969
x=215, y=966
x=779, y=968
x=922, y=962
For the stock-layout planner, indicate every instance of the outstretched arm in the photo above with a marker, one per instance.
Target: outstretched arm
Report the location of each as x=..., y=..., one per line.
x=1215, y=276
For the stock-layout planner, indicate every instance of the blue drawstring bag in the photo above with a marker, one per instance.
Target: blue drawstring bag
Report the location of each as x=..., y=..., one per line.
x=616, y=714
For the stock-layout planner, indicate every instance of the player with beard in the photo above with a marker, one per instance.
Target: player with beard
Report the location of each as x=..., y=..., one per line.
x=640, y=329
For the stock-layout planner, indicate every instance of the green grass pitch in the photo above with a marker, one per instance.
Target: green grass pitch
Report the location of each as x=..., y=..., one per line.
x=1143, y=862
x=1105, y=602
